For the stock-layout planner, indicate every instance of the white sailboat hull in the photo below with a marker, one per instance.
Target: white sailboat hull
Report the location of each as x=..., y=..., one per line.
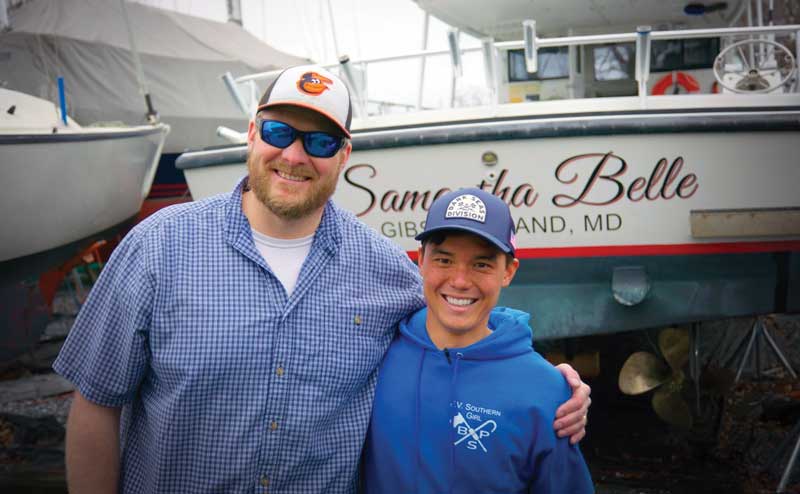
x=61, y=188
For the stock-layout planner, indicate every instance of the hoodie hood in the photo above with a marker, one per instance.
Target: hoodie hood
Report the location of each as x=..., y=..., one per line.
x=511, y=335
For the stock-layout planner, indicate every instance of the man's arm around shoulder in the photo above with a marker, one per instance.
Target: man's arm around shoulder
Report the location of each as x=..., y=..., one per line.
x=92, y=447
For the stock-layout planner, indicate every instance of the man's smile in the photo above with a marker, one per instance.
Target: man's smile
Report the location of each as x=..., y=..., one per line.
x=290, y=177
x=458, y=301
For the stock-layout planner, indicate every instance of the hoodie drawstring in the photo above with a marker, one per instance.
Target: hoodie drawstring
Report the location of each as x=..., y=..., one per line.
x=453, y=382
x=417, y=414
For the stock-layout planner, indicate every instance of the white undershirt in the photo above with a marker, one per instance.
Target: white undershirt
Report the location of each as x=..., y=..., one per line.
x=284, y=257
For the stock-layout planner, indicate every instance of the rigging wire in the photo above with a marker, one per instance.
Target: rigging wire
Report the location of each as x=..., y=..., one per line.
x=308, y=36
x=332, y=20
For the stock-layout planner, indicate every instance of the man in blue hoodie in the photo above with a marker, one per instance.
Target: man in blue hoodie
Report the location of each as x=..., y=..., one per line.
x=464, y=404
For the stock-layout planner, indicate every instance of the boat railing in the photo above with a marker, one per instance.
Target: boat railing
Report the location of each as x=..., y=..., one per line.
x=758, y=40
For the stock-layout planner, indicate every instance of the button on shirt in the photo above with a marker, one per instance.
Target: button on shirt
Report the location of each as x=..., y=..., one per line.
x=225, y=381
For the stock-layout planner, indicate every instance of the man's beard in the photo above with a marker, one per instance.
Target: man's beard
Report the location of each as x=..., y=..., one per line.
x=260, y=182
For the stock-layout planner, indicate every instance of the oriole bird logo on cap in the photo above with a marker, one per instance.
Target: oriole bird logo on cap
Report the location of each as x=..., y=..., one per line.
x=312, y=83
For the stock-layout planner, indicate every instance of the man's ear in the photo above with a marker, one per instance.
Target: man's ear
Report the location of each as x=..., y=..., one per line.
x=511, y=270
x=344, y=155
x=251, y=133
x=420, y=253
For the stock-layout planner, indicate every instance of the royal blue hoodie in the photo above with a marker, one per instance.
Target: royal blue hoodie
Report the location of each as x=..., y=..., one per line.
x=470, y=420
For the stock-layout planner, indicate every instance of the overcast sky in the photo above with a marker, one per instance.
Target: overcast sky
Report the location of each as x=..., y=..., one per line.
x=363, y=29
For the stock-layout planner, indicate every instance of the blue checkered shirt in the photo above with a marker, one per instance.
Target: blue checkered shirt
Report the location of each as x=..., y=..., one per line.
x=228, y=385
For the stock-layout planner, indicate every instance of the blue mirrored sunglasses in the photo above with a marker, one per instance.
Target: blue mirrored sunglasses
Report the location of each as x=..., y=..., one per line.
x=317, y=144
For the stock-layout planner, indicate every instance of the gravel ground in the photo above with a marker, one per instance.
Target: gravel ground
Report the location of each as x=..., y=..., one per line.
x=32, y=430
x=54, y=406
x=65, y=308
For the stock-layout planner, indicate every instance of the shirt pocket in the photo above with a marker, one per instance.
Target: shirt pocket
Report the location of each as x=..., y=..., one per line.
x=346, y=341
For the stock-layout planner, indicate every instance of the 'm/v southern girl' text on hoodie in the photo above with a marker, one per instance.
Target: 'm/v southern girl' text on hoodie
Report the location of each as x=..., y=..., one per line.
x=477, y=419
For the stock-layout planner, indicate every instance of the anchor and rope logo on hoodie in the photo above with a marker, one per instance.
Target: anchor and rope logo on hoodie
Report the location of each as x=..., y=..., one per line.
x=471, y=426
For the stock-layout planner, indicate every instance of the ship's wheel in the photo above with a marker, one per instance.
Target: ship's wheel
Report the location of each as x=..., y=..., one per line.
x=754, y=66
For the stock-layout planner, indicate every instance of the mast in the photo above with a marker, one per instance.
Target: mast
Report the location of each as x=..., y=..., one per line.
x=235, y=11
x=4, y=23
x=152, y=115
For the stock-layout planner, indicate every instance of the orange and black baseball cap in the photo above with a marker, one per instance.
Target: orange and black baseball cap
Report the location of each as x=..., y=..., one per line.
x=312, y=87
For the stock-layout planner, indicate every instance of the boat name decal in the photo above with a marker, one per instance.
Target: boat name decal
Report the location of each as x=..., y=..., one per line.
x=663, y=182
x=594, y=179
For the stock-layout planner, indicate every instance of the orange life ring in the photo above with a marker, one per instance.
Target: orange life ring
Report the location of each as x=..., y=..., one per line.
x=682, y=79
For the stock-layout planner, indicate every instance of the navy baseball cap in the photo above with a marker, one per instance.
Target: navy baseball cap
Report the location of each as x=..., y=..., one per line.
x=474, y=211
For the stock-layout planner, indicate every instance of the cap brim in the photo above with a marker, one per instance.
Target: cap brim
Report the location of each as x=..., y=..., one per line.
x=490, y=238
x=308, y=107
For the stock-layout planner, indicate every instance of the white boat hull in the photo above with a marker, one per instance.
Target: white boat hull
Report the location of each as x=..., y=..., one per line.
x=590, y=195
x=626, y=219
x=206, y=182
x=646, y=188
x=61, y=188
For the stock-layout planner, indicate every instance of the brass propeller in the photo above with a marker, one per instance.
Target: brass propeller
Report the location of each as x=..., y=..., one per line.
x=674, y=346
x=644, y=371
x=671, y=407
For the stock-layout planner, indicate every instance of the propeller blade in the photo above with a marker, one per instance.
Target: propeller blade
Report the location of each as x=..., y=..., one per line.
x=642, y=372
x=674, y=346
x=670, y=407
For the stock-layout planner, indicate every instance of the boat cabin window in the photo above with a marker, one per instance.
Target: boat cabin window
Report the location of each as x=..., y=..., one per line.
x=614, y=62
x=683, y=54
x=553, y=64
